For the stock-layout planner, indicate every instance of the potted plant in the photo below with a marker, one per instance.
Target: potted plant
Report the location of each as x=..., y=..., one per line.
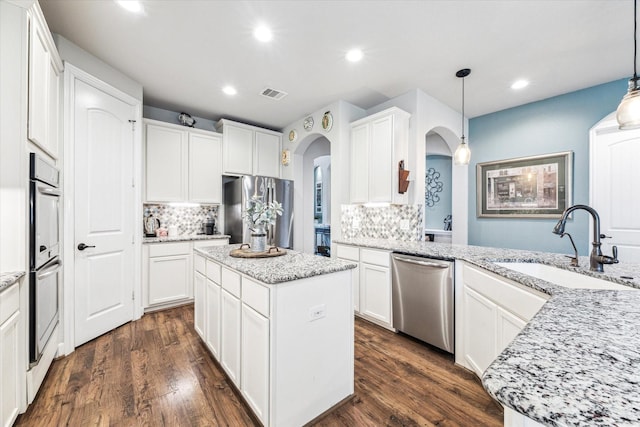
x=258, y=215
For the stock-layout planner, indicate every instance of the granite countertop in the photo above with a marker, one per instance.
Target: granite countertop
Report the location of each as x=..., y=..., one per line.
x=291, y=266
x=185, y=238
x=8, y=279
x=577, y=362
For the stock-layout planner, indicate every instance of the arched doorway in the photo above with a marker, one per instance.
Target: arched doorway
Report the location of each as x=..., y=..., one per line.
x=438, y=189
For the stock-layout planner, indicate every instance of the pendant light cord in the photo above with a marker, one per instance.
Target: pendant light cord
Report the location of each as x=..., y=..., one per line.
x=463, y=108
x=635, y=39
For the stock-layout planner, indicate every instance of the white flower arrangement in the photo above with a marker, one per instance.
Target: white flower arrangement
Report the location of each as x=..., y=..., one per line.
x=260, y=214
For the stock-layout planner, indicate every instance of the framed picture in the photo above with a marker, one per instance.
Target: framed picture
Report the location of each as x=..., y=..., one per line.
x=527, y=187
x=318, y=198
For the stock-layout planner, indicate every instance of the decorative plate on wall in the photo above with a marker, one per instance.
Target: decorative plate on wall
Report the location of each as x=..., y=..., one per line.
x=286, y=157
x=293, y=135
x=327, y=121
x=308, y=124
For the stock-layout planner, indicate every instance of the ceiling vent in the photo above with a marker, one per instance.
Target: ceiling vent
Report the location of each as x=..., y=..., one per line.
x=273, y=94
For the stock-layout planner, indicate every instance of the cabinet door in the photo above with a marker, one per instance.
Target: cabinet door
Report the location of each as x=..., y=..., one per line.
x=381, y=161
x=39, y=66
x=166, y=164
x=199, y=312
x=267, y=155
x=255, y=362
x=230, y=335
x=508, y=326
x=9, y=370
x=360, y=164
x=213, y=318
x=375, y=293
x=53, y=116
x=479, y=330
x=237, y=150
x=169, y=279
x=205, y=168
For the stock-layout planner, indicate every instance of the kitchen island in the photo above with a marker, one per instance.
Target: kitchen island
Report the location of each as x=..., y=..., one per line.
x=281, y=328
x=577, y=361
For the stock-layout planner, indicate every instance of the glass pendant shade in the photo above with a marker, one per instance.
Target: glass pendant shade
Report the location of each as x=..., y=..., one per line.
x=462, y=156
x=628, y=113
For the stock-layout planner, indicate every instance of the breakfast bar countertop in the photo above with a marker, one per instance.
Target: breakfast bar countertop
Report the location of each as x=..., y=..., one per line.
x=577, y=362
x=8, y=279
x=291, y=266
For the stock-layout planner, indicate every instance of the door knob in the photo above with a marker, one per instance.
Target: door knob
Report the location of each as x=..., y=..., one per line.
x=82, y=247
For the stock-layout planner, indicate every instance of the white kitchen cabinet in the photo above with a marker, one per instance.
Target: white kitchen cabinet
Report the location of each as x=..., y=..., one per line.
x=45, y=68
x=255, y=361
x=375, y=293
x=378, y=143
x=249, y=150
x=230, y=318
x=12, y=369
x=212, y=329
x=494, y=310
x=199, y=289
x=182, y=165
x=351, y=253
x=169, y=267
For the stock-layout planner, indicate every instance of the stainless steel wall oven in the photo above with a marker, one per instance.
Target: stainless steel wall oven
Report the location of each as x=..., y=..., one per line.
x=44, y=253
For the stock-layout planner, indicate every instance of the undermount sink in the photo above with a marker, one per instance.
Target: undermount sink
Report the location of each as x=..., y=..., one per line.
x=561, y=277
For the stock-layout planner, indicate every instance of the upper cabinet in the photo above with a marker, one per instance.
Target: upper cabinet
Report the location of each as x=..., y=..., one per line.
x=182, y=164
x=45, y=68
x=378, y=143
x=249, y=150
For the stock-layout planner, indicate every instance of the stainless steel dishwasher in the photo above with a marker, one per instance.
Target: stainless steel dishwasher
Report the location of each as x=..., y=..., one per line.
x=423, y=299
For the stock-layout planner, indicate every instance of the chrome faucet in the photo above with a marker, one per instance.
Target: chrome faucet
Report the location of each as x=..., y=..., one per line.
x=596, y=259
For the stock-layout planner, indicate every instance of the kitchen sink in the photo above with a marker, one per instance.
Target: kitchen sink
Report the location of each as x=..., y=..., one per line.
x=561, y=277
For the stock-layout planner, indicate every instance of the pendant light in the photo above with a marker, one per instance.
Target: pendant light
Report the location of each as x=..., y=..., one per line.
x=462, y=154
x=628, y=113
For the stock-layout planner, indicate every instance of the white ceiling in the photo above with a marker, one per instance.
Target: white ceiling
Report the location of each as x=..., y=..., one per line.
x=183, y=52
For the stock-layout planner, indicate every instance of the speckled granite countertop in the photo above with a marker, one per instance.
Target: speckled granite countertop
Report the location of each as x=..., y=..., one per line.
x=184, y=238
x=291, y=266
x=577, y=362
x=8, y=279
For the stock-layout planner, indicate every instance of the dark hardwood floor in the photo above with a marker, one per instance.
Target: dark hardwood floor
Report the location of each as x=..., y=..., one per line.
x=156, y=372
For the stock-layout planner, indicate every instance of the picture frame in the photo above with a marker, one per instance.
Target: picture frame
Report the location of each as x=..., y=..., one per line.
x=525, y=187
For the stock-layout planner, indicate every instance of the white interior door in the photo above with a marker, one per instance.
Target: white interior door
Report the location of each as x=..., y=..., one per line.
x=614, y=194
x=103, y=210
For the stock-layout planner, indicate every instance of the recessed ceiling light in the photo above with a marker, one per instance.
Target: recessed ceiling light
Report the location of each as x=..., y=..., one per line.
x=354, y=55
x=263, y=34
x=229, y=90
x=519, y=84
x=133, y=6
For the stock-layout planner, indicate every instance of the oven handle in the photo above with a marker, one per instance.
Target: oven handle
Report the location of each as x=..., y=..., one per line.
x=49, y=191
x=51, y=269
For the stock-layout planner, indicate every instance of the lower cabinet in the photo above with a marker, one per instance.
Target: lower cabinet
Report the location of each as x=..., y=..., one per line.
x=212, y=301
x=199, y=289
x=230, y=339
x=493, y=311
x=168, y=273
x=12, y=371
x=255, y=361
x=371, y=283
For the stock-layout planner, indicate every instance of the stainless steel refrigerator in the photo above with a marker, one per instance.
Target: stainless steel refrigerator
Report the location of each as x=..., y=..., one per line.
x=238, y=191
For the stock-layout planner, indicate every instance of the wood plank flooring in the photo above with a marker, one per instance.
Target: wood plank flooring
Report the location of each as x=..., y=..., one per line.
x=156, y=372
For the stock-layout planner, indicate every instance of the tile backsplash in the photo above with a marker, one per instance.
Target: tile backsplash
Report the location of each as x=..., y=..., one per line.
x=399, y=222
x=188, y=219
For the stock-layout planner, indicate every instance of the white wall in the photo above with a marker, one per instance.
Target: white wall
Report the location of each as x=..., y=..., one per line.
x=84, y=60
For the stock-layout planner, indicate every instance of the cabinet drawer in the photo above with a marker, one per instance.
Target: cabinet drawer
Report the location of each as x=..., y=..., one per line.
x=166, y=249
x=348, y=252
x=200, y=263
x=213, y=271
x=375, y=257
x=231, y=281
x=210, y=242
x=524, y=303
x=9, y=302
x=255, y=296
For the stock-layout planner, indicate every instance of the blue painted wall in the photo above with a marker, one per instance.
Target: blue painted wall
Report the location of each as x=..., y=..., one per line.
x=552, y=125
x=435, y=215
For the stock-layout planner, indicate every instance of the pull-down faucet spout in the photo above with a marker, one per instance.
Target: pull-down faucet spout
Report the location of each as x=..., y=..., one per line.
x=596, y=259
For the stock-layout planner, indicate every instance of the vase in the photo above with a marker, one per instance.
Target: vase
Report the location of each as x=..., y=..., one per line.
x=258, y=240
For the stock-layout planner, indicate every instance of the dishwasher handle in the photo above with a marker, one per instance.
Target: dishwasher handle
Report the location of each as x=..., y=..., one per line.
x=422, y=263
